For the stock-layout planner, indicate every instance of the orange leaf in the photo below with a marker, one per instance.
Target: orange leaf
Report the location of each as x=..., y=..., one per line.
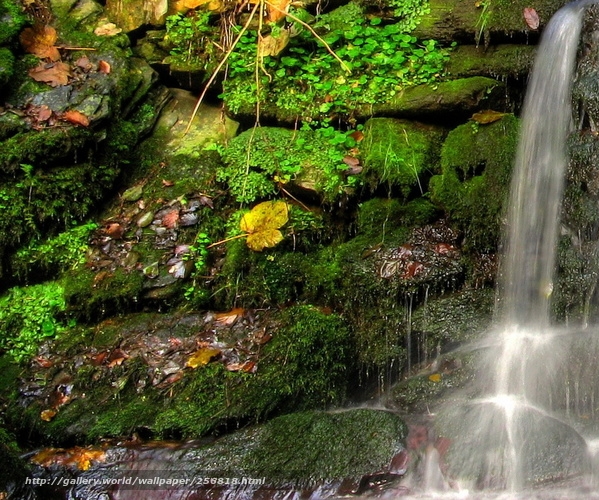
x=170, y=219
x=277, y=9
x=39, y=40
x=53, y=74
x=75, y=117
x=104, y=67
x=228, y=318
x=487, y=116
x=435, y=377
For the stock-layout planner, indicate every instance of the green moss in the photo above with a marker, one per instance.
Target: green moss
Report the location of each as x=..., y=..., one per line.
x=13, y=469
x=28, y=316
x=93, y=296
x=331, y=445
x=258, y=159
x=400, y=153
x=304, y=366
x=12, y=19
x=380, y=217
x=7, y=62
x=476, y=165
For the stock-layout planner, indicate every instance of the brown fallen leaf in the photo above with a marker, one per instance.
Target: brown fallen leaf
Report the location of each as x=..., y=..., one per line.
x=170, y=219
x=531, y=17
x=43, y=362
x=84, y=63
x=78, y=457
x=228, y=318
x=117, y=357
x=114, y=230
x=104, y=67
x=107, y=29
x=75, y=117
x=246, y=367
x=487, y=116
x=54, y=74
x=39, y=40
x=357, y=135
x=167, y=183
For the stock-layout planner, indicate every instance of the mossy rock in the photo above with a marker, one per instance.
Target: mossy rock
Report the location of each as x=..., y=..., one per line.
x=476, y=162
x=505, y=61
x=469, y=22
x=456, y=98
x=13, y=18
x=7, y=61
x=304, y=366
x=310, y=446
x=400, y=153
x=13, y=469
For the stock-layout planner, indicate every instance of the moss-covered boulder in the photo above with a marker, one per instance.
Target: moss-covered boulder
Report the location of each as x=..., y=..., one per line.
x=450, y=20
x=147, y=373
x=458, y=98
x=341, y=452
x=496, y=61
x=400, y=153
x=476, y=163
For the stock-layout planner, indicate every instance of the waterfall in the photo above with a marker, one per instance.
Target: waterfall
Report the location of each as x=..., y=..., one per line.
x=539, y=170
x=512, y=427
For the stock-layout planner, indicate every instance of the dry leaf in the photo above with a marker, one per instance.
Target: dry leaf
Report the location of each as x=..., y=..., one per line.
x=202, y=357
x=167, y=183
x=43, y=362
x=228, y=318
x=262, y=224
x=273, y=46
x=39, y=40
x=170, y=219
x=104, y=67
x=247, y=367
x=53, y=74
x=75, y=117
x=487, y=116
x=211, y=5
x=48, y=415
x=114, y=230
x=435, y=377
x=108, y=29
x=277, y=9
x=357, y=135
x=531, y=17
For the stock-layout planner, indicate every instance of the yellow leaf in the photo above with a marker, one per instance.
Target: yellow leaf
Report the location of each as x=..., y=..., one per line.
x=487, y=116
x=262, y=224
x=47, y=415
x=264, y=239
x=202, y=357
x=435, y=377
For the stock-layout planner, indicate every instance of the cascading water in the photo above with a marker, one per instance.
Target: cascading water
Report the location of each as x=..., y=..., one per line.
x=513, y=429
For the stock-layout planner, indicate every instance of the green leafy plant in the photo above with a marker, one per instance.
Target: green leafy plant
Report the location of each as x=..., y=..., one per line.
x=28, y=315
x=65, y=251
x=198, y=254
x=188, y=37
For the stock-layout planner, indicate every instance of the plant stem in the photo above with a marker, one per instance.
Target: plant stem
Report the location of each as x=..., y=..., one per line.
x=228, y=239
x=221, y=64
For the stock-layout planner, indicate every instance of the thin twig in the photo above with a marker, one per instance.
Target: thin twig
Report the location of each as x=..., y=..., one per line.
x=311, y=30
x=244, y=235
x=218, y=68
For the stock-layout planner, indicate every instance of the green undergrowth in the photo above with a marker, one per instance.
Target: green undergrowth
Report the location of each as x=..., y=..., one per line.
x=260, y=162
x=300, y=77
x=28, y=316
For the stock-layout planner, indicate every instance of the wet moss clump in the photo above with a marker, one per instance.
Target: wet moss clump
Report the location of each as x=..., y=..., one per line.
x=304, y=366
x=476, y=162
x=400, y=153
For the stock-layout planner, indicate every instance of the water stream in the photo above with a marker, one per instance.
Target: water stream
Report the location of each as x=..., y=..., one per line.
x=521, y=425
